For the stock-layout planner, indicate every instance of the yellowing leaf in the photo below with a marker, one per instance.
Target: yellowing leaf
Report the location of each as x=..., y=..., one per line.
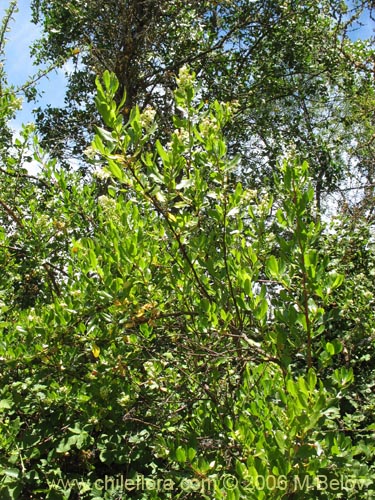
x=171, y=217
x=95, y=350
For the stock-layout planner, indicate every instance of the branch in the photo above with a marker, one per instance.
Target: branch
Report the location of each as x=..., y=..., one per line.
x=164, y=213
x=4, y=25
x=11, y=213
x=25, y=176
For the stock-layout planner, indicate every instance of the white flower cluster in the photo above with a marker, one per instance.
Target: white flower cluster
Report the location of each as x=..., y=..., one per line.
x=233, y=106
x=147, y=117
x=185, y=78
x=32, y=316
x=106, y=203
x=42, y=221
x=101, y=174
x=90, y=153
x=208, y=125
x=124, y=399
x=182, y=135
x=249, y=195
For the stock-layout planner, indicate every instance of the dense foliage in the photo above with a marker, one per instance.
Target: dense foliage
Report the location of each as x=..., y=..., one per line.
x=170, y=329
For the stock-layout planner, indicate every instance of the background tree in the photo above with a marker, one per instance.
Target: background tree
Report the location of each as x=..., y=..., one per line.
x=8, y=102
x=298, y=78
x=34, y=243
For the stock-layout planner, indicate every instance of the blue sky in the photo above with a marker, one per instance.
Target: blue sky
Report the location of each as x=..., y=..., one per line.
x=19, y=66
x=366, y=29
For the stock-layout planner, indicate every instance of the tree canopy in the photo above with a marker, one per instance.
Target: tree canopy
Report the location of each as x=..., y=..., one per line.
x=179, y=317
x=290, y=66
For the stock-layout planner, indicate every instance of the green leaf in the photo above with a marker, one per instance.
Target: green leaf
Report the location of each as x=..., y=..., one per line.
x=92, y=258
x=180, y=454
x=311, y=379
x=330, y=348
x=302, y=386
x=162, y=153
x=247, y=286
x=116, y=170
x=5, y=404
x=106, y=135
x=336, y=280
x=205, y=303
x=111, y=82
x=280, y=439
x=261, y=309
x=272, y=266
x=15, y=473
x=185, y=183
x=291, y=387
x=191, y=454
